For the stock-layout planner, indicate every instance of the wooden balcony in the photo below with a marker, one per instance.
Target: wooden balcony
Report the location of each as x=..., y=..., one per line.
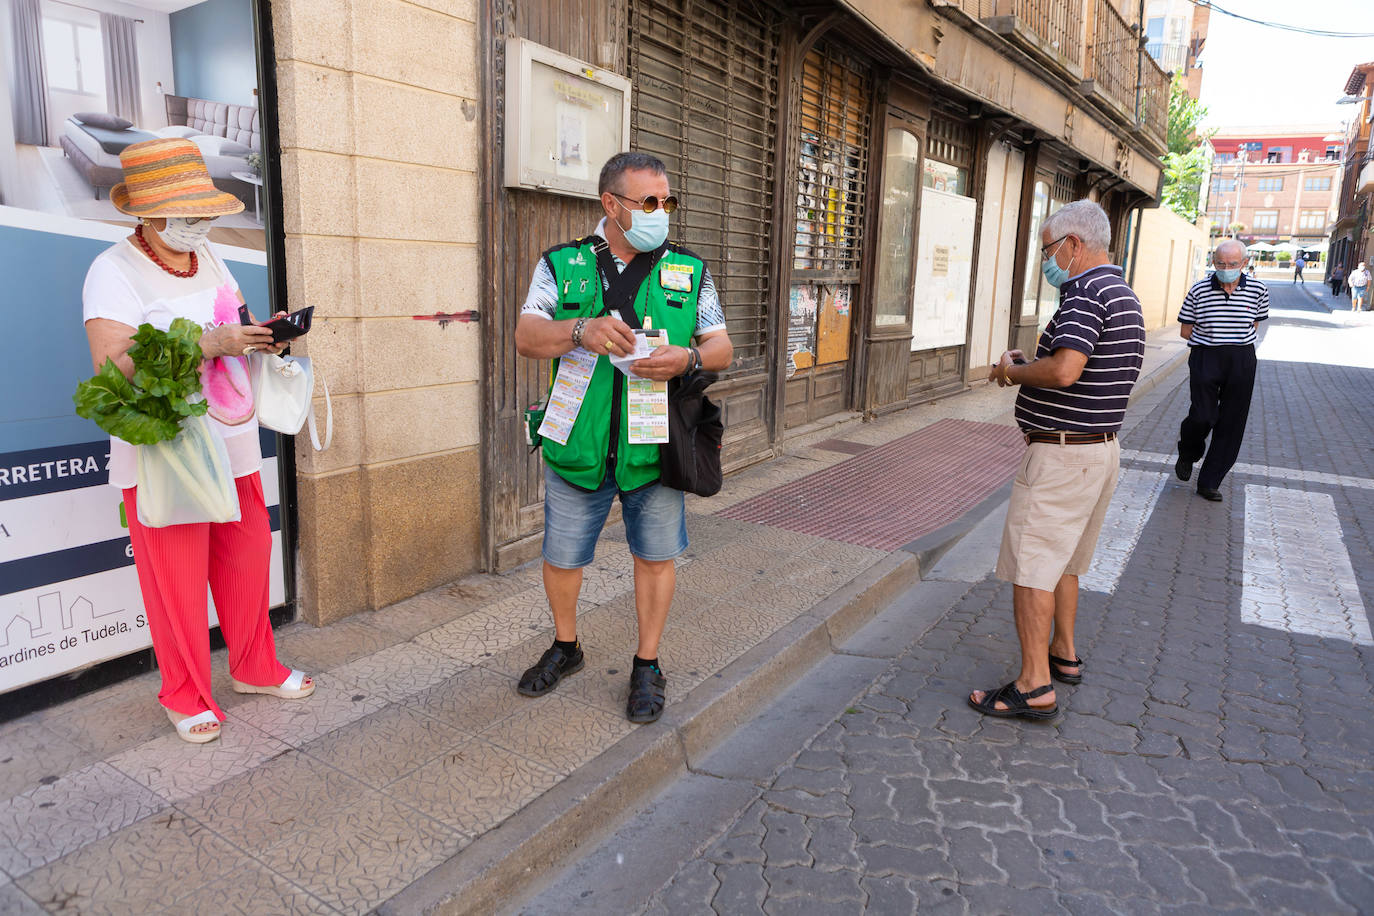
x=1049, y=30
x=1365, y=183
x=1113, y=61
x=1152, y=119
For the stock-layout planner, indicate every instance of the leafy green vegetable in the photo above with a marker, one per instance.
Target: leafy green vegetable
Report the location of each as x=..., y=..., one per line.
x=149, y=407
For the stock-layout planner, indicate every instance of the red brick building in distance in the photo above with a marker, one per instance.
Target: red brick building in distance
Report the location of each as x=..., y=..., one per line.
x=1275, y=187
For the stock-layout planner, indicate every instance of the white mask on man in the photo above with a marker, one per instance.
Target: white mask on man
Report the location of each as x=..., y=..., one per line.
x=183, y=235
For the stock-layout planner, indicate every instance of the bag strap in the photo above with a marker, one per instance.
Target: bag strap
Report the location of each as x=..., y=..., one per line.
x=619, y=289
x=328, y=421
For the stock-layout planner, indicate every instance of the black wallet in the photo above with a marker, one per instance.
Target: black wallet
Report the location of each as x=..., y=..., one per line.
x=288, y=327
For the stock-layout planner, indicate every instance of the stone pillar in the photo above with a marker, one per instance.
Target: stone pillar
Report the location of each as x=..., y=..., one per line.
x=379, y=137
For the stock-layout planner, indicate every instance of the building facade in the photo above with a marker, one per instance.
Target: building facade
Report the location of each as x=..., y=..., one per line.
x=1351, y=238
x=866, y=181
x=1275, y=188
x=1175, y=35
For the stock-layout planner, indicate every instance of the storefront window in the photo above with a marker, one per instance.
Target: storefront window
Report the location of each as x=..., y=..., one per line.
x=1049, y=295
x=70, y=595
x=1030, y=296
x=945, y=177
x=897, y=228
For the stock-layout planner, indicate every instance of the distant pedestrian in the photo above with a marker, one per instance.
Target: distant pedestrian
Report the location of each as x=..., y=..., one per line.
x=1298, y=263
x=1219, y=319
x=1070, y=407
x=1337, y=279
x=1359, y=287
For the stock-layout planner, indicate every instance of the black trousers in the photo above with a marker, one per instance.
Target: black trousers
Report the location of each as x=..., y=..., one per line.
x=1221, y=380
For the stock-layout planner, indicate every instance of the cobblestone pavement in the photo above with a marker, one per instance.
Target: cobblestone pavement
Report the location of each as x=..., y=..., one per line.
x=1217, y=756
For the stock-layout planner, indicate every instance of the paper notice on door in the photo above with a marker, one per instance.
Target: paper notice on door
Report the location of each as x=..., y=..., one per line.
x=647, y=411
x=566, y=396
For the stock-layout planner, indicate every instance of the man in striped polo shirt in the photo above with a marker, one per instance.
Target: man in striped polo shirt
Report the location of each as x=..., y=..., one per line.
x=1219, y=319
x=1072, y=401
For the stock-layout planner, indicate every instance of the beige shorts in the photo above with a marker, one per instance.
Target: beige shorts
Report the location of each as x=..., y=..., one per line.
x=1058, y=501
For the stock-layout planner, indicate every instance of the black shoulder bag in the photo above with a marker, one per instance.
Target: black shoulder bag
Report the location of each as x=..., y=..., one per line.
x=690, y=461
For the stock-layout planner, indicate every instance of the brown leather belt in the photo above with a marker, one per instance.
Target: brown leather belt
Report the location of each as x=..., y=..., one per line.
x=1067, y=438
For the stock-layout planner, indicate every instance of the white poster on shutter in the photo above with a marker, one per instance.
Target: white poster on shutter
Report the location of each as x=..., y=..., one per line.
x=944, y=263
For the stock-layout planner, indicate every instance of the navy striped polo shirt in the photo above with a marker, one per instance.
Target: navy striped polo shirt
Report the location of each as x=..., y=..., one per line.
x=1222, y=319
x=1098, y=315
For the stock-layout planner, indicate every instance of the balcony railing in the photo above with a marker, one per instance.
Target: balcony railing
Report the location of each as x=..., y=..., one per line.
x=1153, y=115
x=1171, y=55
x=1050, y=29
x=1113, y=58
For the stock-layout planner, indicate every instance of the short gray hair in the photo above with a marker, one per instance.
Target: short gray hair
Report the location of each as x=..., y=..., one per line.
x=621, y=163
x=1082, y=218
x=1235, y=244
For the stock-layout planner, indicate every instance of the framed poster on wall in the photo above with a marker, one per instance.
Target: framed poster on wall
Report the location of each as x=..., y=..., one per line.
x=944, y=263
x=564, y=118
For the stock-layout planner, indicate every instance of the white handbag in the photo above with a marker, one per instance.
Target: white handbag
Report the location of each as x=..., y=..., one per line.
x=283, y=390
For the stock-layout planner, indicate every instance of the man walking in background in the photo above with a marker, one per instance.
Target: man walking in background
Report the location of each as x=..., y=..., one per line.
x=1070, y=408
x=1219, y=319
x=1298, y=263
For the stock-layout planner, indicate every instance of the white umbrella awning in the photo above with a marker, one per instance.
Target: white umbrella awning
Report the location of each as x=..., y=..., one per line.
x=1260, y=246
x=1287, y=246
x=1316, y=246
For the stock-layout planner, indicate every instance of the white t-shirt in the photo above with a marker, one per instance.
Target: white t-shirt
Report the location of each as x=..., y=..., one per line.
x=124, y=285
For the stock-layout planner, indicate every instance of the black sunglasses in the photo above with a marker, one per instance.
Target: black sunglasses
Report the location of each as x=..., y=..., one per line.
x=650, y=203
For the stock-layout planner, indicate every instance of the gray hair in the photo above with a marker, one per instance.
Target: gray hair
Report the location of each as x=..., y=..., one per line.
x=1235, y=245
x=1082, y=218
x=621, y=163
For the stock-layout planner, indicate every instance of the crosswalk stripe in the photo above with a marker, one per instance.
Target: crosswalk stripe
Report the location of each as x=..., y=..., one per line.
x=1298, y=576
x=1136, y=493
x=1294, y=475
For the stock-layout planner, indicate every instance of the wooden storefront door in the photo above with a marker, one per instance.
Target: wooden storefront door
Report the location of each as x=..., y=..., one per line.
x=706, y=100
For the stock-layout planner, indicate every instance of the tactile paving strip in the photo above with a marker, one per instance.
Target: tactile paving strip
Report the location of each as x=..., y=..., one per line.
x=894, y=493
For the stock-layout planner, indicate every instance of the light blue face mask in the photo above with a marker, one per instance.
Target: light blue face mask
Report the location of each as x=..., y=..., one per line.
x=1228, y=276
x=1054, y=274
x=647, y=230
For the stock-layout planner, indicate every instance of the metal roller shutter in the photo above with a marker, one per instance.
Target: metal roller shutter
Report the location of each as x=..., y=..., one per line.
x=705, y=74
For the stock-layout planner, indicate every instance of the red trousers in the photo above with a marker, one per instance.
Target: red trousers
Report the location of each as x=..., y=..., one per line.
x=174, y=565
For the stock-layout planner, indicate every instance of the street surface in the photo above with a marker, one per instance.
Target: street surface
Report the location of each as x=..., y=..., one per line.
x=1218, y=755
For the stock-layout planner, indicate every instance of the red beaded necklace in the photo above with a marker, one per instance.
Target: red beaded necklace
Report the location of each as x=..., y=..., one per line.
x=152, y=255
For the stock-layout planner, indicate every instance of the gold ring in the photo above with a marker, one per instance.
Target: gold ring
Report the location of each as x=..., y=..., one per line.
x=609, y=346
x=249, y=349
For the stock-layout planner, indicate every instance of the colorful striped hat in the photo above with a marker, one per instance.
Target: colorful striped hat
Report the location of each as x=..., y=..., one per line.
x=169, y=178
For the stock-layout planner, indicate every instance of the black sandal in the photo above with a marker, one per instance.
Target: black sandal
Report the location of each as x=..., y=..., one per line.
x=1056, y=663
x=552, y=667
x=648, y=694
x=1015, y=702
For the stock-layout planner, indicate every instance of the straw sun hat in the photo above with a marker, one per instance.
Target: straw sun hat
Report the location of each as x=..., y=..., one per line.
x=169, y=178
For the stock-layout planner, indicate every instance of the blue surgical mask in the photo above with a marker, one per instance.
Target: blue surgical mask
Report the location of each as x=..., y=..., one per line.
x=647, y=230
x=1054, y=274
x=1228, y=276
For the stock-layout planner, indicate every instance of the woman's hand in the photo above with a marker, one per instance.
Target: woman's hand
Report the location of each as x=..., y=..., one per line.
x=239, y=340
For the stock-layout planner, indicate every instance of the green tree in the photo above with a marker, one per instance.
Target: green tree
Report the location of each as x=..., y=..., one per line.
x=1186, y=161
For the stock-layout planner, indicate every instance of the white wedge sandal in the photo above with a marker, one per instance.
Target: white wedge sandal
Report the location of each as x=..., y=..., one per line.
x=289, y=689
x=184, y=724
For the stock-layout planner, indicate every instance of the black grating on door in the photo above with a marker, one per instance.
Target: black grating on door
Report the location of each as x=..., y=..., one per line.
x=1063, y=188
x=951, y=141
x=705, y=76
x=832, y=164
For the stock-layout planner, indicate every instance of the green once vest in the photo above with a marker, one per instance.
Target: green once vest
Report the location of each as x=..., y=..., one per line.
x=582, y=461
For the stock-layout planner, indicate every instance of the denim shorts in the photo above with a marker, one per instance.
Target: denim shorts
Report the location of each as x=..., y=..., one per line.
x=655, y=521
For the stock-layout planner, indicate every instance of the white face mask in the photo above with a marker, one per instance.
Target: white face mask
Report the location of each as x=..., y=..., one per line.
x=179, y=235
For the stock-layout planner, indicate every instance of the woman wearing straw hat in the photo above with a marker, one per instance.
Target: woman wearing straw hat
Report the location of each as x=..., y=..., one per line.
x=166, y=270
